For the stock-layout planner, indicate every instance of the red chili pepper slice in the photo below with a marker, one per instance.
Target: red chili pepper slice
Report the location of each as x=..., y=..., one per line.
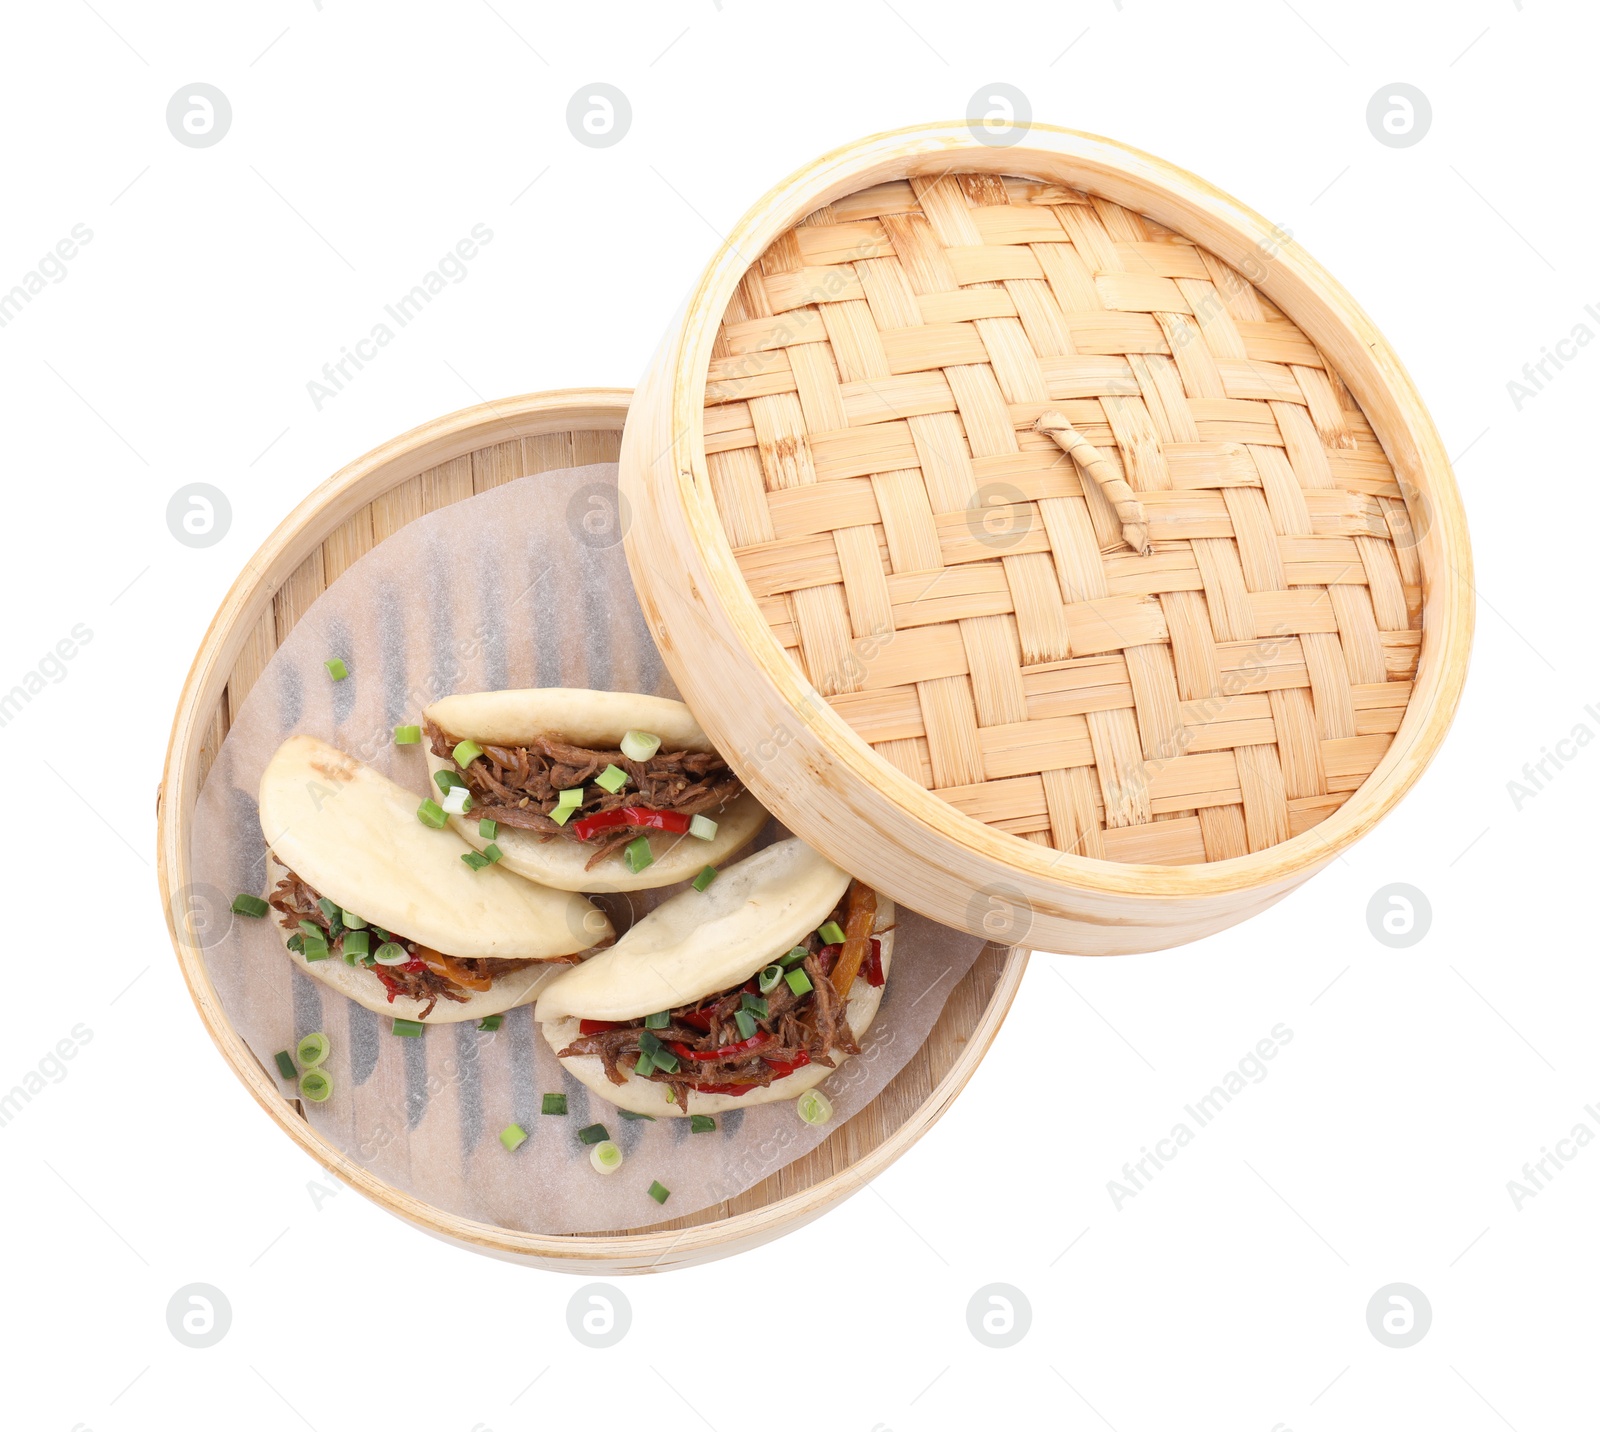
x=872, y=970
x=744, y=1046
x=780, y=1067
x=641, y=817
x=595, y=1026
x=699, y=1018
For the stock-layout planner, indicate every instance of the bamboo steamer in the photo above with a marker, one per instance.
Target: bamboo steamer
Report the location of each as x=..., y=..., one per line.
x=1102, y=703
x=441, y=462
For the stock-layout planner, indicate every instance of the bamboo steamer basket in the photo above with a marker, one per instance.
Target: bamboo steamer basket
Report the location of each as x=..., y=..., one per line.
x=441, y=462
x=1102, y=703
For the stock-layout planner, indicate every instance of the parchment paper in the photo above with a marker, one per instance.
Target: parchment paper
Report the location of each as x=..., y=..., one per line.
x=511, y=588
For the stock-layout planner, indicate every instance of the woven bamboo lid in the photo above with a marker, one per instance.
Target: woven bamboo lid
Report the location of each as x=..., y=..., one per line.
x=1046, y=494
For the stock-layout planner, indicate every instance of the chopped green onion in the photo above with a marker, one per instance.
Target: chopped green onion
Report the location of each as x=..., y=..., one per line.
x=704, y=878
x=447, y=780
x=390, y=953
x=632, y=1117
x=491, y=1022
x=336, y=668
x=605, y=1157
x=488, y=829
x=572, y=797
x=746, y=1022
x=315, y=950
x=407, y=735
x=755, y=1004
x=285, y=1063
x=296, y=943
x=814, y=1107
x=353, y=922
x=798, y=982
x=315, y=1085
x=767, y=980
x=457, y=801
x=313, y=931
x=466, y=752
x=328, y=908
x=702, y=1124
x=798, y=953
x=650, y=1045
x=657, y=1021
x=640, y=745
x=513, y=1137
x=357, y=945
x=703, y=827
x=665, y=1059
x=252, y=905
x=561, y=814
x=636, y=854
x=476, y=861
x=380, y=932
x=659, y=1191
x=643, y=1065
x=430, y=813
x=553, y=1104
x=312, y=1050
x=492, y=853
x=592, y=1134
x=409, y=1028
x=612, y=779
x=831, y=934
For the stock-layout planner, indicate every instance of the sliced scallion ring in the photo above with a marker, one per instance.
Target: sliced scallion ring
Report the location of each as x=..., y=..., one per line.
x=768, y=979
x=702, y=1124
x=571, y=798
x=612, y=779
x=637, y=855
x=409, y=1028
x=314, y=950
x=702, y=881
x=407, y=735
x=702, y=827
x=352, y=921
x=312, y=1050
x=285, y=1063
x=755, y=1004
x=488, y=829
x=640, y=745
x=746, y=1023
x=315, y=1085
x=659, y=1020
x=814, y=1107
x=605, y=1157
x=593, y=1134
x=659, y=1191
x=431, y=814
x=328, y=908
x=476, y=861
x=457, y=801
x=831, y=934
x=446, y=780
x=466, y=752
x=798, y=981
x=252, y=905
x=512, y=1137
x=336, y=668
x=390, y=953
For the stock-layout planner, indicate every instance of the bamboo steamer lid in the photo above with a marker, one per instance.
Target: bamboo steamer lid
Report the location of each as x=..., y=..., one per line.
x=1046, y=537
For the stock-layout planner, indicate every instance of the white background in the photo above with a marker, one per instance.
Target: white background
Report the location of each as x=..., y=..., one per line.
x=1230, y=1293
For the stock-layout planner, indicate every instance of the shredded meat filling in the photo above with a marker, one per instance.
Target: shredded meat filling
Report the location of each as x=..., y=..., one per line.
x=426, y=977
x=520, y=785
x=796, y=1030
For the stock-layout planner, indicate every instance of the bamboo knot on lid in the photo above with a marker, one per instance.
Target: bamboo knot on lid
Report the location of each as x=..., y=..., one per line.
x=1124, y=502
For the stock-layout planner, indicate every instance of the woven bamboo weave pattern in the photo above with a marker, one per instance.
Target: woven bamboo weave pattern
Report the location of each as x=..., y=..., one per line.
x=962, y=591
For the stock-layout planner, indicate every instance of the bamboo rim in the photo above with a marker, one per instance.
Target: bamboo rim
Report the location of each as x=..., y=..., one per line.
x=1297, y=284
x=344, y=494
